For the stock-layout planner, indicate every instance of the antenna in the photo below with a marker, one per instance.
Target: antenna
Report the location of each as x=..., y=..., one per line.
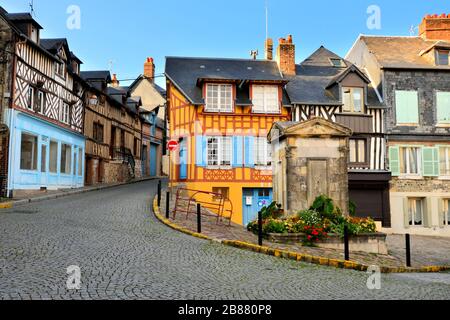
x=412, y=30
x=31, y=4
x=267, y=19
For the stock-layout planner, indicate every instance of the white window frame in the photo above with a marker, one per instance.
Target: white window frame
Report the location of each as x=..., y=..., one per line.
x=438, y=53
x=60, y=69
x=263, y=153
x=413, y=213
x=41, y=100
x=446, y=151
x=263, y=99
x=407, y=164
x=356, y=143
x=224, y=152
x=224, y=98
x=30, y=100
x=351, y=108
x=446, y=208
x=65, y=113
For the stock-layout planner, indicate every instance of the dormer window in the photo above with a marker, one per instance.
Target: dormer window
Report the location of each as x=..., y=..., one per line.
x=442, y=57
x=353, y=99
x=265, y=99
x=338, y=63
x=34, y=34
x=219, y=98
x=60, y=69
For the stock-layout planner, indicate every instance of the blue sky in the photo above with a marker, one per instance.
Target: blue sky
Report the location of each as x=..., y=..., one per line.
x=126, y=32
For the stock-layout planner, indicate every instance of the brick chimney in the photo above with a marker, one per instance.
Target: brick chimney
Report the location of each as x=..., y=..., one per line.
x=435, y=27
x=269, y=49
x=286, y=56
x=149, y=69
x=114, y=82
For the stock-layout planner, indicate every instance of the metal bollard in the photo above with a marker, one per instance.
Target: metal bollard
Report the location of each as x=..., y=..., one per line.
x=346, y=244
x=260, y=228
x=159, y=193
x=167, y=205
x=408, y=250
x=199, y=218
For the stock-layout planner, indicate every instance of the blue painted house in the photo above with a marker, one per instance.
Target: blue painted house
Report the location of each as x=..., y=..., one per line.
x=45, y=118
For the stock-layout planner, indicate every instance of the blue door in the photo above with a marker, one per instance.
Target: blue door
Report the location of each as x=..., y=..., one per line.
x=253, y=201
x=183, y=160
x=153, y=159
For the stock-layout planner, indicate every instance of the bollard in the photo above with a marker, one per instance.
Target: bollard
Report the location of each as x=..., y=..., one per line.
x=346, y=244
x=167, y=205
x=199, y=218
x=159, y=193
x=260, y=229
x=408, y=250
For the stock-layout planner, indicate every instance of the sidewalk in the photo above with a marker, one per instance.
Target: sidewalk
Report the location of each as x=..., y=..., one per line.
x=422, y=256
x=48, y=195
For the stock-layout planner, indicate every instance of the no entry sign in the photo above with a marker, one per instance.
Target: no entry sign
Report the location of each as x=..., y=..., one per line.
x=172, y=145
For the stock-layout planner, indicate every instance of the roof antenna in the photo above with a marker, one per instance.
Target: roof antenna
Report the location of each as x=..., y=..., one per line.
x=31, y=4
x=267, y=19
x=254, y=54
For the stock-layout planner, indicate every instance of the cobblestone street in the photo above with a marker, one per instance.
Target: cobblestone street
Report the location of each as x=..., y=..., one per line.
x=124, y=253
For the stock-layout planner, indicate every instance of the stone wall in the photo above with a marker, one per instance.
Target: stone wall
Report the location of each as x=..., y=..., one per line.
x=427, y=83
x=116, y=171
x=424, y=185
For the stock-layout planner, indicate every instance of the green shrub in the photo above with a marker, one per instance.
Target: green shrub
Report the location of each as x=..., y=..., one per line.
x=310, y=217
x=273, y=211
x=274, y=226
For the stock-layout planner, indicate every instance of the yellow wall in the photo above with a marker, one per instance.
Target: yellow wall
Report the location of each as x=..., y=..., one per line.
x=188, y=121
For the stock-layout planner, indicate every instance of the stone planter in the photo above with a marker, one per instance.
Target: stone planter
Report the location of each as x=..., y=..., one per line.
x=368, y=243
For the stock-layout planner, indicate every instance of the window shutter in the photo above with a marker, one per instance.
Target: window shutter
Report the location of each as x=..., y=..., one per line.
x=430, y=162
x=441, y=213
x=443, y=107
x=249, y=152
x=200, y=154
x=406, y=212
x=427, y=214
x=407, y=106
x=394, y=160
x=238, y=145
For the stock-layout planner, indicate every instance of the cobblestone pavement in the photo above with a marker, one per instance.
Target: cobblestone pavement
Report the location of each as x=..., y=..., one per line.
x=124, y=253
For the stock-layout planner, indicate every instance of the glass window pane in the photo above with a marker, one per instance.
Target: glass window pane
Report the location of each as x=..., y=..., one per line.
x=80, y=162
x=418, y=217
x=44, y=158
x=53, y=164
x=357, y=100
x=361, y=151
x=28, y=152
x=352, y=151
x=347, y=100
x=66, y=159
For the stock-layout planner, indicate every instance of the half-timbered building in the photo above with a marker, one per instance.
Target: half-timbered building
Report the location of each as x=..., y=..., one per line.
x=45, y=118
x=328, y=86
x=412, y=75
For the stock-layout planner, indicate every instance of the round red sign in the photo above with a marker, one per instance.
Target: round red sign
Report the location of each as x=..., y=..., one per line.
x=172, y=145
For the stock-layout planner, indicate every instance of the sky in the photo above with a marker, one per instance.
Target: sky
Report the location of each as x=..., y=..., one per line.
x=119, y=35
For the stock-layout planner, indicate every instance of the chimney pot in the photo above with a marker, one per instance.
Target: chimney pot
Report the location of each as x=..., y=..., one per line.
x=435, y=27
x=269, y=49
x=114, y=82
x=149, y=69
x=286, y=56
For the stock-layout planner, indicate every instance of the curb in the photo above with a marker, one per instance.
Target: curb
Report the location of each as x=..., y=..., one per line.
x=290, y=255
x=12, y=204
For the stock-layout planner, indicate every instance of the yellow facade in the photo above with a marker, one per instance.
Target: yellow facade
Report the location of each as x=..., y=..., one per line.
x=188, y=121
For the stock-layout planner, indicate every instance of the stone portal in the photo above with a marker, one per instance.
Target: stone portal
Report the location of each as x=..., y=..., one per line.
x=310, y=159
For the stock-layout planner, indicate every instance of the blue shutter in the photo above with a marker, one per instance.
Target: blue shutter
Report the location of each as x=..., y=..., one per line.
x=250, y=152
x=200, y=154
x=238, y=144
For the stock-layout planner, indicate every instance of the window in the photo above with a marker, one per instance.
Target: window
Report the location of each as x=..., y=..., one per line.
x=30, y=102
x=80, y=162
x=66, y=158
x=43, y=158
x=442, y=57
x=410, y=159
x=65, y=113
x=446, y=209
x=407, y=107
x=28, y=152
x=60, y=69
x=444, y=160
x=219, y=151
x=219, y=98
x=263, y=152
x=416, y=211
x=358, y=150
x=41, y=102
x=443, y=107
x=353, y=99
x=98, y=132
x=265, y=99
x=53, y=164
x=136, y=147
x=225, y=192
x=338, y=63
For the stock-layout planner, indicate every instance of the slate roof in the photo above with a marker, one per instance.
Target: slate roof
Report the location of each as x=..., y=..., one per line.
x=96, y=75
x=402, y=52
x=53, y=45
x=187, y=73
x=316, y=74
x=23, y=16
